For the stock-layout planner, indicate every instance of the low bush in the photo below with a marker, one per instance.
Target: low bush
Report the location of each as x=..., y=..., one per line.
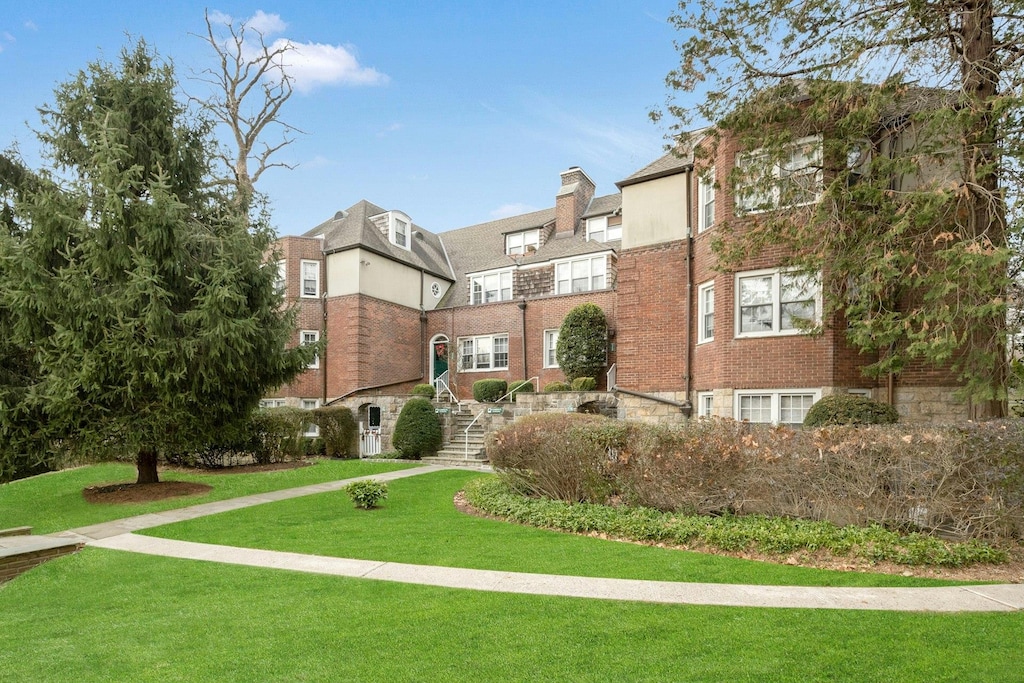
x=339, y=431
x=424, y=390
x=771, y=535
x=850, y=409
x=417, y=431
x=489, y=390
x=366, y=493
x=584, y=384
x=277, y=434
x=552, y=387
x=963, y=481
x=522, y=385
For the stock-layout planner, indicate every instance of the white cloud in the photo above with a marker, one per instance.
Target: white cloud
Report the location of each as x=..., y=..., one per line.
x=393, y=128
x=507, y=210
x=315, y=64
x=31, y=25
x=217, y=17
x=267, y=24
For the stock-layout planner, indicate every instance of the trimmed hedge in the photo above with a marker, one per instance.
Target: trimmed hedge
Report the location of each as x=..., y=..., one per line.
x=552, y=387
x=417, y=431
x=424, y=390
x=520, y=386
x=489, y=390
x=338, y=430
x=850, y=409
x=584, y=384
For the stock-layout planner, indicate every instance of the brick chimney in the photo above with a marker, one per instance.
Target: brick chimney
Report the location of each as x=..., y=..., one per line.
x=572, y=200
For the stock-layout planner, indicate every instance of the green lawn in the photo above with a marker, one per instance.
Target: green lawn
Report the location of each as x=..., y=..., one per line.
x=105, y=615
x=54, y=502
x=418, y=524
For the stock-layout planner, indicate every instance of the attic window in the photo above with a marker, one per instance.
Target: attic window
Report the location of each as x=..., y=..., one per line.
x=522, y=242
x=604, y=228
x=398, y=229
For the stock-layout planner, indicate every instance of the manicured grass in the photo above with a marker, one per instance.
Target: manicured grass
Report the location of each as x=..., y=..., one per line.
x=53, y=502
x=104, y=615
x=418, y=524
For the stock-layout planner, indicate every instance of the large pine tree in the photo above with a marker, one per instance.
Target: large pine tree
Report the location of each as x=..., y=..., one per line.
x=136, y=285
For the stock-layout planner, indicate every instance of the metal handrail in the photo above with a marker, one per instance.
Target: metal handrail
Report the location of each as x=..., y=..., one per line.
x=478, y=415
x=610, y=377
x=441, y=386
x=511, y=391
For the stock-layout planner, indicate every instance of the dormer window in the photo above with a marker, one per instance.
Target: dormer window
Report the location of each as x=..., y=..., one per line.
x=604, y=228
x=399, y=229
x=522, y=242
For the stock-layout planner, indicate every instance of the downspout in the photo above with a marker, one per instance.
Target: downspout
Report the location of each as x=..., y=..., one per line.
x=689, y=290
x=522, y=311
x=423, y=331
x=323, y=327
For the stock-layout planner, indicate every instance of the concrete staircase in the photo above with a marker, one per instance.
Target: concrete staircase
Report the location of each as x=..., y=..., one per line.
x=456, y=452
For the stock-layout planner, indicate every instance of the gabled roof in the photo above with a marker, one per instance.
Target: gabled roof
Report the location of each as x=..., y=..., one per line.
x=352, y=228
x=482, y=247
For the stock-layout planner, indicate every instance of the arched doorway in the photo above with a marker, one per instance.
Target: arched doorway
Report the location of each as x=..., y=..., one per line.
x=440, y=350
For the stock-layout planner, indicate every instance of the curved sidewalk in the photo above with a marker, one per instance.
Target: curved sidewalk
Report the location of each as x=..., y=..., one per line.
x=117, y=536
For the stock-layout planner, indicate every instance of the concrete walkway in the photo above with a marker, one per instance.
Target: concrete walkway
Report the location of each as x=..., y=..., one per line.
x=117, y=536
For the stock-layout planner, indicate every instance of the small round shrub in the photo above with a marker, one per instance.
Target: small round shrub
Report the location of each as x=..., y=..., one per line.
x=584, y=384
x=556, y=386
x=366, y=493
x=489, y=390
x=417, y=431
x=425, y=390
x=849, y=409
x=520, y=386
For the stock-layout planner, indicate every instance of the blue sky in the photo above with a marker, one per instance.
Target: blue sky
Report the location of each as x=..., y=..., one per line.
x=453, y=112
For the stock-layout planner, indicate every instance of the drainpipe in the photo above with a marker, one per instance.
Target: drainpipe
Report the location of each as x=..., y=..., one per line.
x=323, y=335
x=688, y=410
x=522, y=311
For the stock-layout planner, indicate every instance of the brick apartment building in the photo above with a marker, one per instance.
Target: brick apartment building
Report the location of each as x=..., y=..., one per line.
x=400, y=305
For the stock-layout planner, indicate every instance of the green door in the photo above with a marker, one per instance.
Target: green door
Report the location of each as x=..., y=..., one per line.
x=440, y=359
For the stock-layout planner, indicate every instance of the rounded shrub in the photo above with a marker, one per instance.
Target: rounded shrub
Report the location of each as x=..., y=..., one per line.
x=366, y=493
x=418, y=431
x=425, y=390
x=556, y=386
x=520, y=386
x=849, y=409
x=489, y=390
x=338, y=431
x=584, y=384
x=582, y=347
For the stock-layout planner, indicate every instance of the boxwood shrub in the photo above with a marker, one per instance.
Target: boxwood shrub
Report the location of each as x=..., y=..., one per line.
x=551, y=387
x=520, y=386
x=338, y=431
x=424, y=390
x=489, y=390
x=417, y=431
x=584, y=384
x=849, y=409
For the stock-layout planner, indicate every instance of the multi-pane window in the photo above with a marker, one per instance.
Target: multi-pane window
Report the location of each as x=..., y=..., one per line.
x=310, y=429
x=793, y=179
x=705, y=404
x=775, y=302
x=581, y=275
x=776, y=407
x=521, y=242
x=706, y=203
x=550, y=348
x=272, y=403
x=491, y=287
x=310, y=337
x=282, y=276
x=310, y=278
x=706, y=312
x=604, y=228
x=484, y=353
x=401, y=233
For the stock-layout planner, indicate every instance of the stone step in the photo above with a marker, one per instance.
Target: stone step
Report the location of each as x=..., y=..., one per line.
x=456, y=461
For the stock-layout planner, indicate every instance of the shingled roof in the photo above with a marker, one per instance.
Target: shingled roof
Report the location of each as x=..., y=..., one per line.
x=352, y=228
x=670, y=164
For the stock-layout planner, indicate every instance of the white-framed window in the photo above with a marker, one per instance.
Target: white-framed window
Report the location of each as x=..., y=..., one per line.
x=399, y=229
x=787, y=406
x=487, y=287
x=604, y=228
x=310, y=278
x=581, y=275
x=521, y=242
x=488, y=352
x=794, y=180
x=272, y=403
x=705, y=404
x=310, y=429
x=770, y=302
x=282, y=276
x=310, y=337
x=705, y=203
x=550, y=348
x=706, y=312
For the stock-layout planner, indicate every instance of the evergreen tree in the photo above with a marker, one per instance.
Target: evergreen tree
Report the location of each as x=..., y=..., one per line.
x=581, y=350
x=931, y=92
x=140, y=290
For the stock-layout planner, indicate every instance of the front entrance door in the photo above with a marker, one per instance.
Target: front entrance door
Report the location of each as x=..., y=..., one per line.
x=369, y=433
x=440, y=359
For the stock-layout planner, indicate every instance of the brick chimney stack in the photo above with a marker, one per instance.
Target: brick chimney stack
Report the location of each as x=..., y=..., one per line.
x=572, y=200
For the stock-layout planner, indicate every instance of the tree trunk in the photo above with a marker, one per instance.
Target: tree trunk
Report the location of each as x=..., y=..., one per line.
x=146, y=462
